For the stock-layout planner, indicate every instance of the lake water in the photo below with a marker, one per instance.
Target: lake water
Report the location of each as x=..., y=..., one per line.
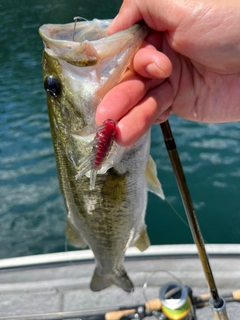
x=32, y=212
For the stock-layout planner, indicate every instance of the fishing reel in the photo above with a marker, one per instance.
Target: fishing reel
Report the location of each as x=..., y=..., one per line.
x=175, y=302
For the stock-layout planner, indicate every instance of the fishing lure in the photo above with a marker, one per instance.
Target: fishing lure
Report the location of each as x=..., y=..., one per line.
x=101, y=146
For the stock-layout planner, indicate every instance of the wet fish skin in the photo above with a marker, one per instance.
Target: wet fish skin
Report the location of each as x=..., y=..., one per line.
x=110, y=217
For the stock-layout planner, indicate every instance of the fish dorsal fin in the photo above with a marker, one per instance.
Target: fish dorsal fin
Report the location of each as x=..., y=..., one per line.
x=154, y=184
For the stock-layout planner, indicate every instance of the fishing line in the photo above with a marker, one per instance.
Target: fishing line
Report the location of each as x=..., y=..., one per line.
x=181, y=218
x=76, y=19
x=145, y=285
x=72, y=263
x=177, y=213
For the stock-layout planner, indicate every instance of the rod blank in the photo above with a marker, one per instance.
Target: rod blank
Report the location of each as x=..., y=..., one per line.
x=191, y=216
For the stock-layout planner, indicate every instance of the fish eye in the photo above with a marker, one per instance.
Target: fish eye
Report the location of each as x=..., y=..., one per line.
x=52, y=86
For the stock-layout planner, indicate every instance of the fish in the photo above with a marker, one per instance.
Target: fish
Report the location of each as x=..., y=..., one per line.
x=81, y=63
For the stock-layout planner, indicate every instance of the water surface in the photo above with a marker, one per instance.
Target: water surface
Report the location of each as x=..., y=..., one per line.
x=32, y=212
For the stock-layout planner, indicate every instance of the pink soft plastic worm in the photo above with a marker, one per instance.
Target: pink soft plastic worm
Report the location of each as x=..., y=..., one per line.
x=104, y=138
x=102, y=144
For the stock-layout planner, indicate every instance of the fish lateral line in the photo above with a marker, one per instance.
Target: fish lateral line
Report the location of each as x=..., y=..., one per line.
x=101, y=145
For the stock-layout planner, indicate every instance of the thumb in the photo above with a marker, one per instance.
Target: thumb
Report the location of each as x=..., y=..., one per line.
x=128, y=15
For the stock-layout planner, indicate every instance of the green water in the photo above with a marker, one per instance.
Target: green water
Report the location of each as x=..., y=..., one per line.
x=32, y=213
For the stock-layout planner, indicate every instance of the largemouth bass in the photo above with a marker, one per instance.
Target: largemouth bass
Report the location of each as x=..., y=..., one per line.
x=80, y=65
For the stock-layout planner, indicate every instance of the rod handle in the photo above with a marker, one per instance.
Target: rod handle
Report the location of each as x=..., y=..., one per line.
x=116, y=315
x=234, y=294
x=154, y=304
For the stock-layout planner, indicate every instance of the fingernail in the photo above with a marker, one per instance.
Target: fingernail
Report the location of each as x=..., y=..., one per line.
x=155, y=71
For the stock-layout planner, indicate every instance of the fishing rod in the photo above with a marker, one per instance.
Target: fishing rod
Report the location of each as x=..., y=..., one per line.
x=216, y=303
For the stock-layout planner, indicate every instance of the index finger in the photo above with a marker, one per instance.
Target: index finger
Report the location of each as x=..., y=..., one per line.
x=120, y=99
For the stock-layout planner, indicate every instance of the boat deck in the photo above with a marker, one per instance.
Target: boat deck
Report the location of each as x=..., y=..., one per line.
x=56, y=286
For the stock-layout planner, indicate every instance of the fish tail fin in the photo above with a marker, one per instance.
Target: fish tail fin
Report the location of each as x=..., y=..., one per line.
x=103, y=281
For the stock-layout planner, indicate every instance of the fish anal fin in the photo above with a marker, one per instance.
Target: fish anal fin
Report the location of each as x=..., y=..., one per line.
x=74, y=237
x=154, y=184
x=103, y=281
x=142, y=242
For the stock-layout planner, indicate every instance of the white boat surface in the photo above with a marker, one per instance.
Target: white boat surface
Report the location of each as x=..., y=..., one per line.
x=56, y=286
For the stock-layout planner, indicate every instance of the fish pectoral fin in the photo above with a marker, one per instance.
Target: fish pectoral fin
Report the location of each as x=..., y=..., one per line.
x=142, y=242
x=85, y=139
x=74, y=237
x=153, y=182
x=103, y=281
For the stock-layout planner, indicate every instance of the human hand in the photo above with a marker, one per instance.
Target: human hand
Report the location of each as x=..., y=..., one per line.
x=190, y=66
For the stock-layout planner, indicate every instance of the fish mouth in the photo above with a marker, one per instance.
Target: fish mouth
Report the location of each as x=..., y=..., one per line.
x=72, y=42
x=85, y=43
x=75, y=31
